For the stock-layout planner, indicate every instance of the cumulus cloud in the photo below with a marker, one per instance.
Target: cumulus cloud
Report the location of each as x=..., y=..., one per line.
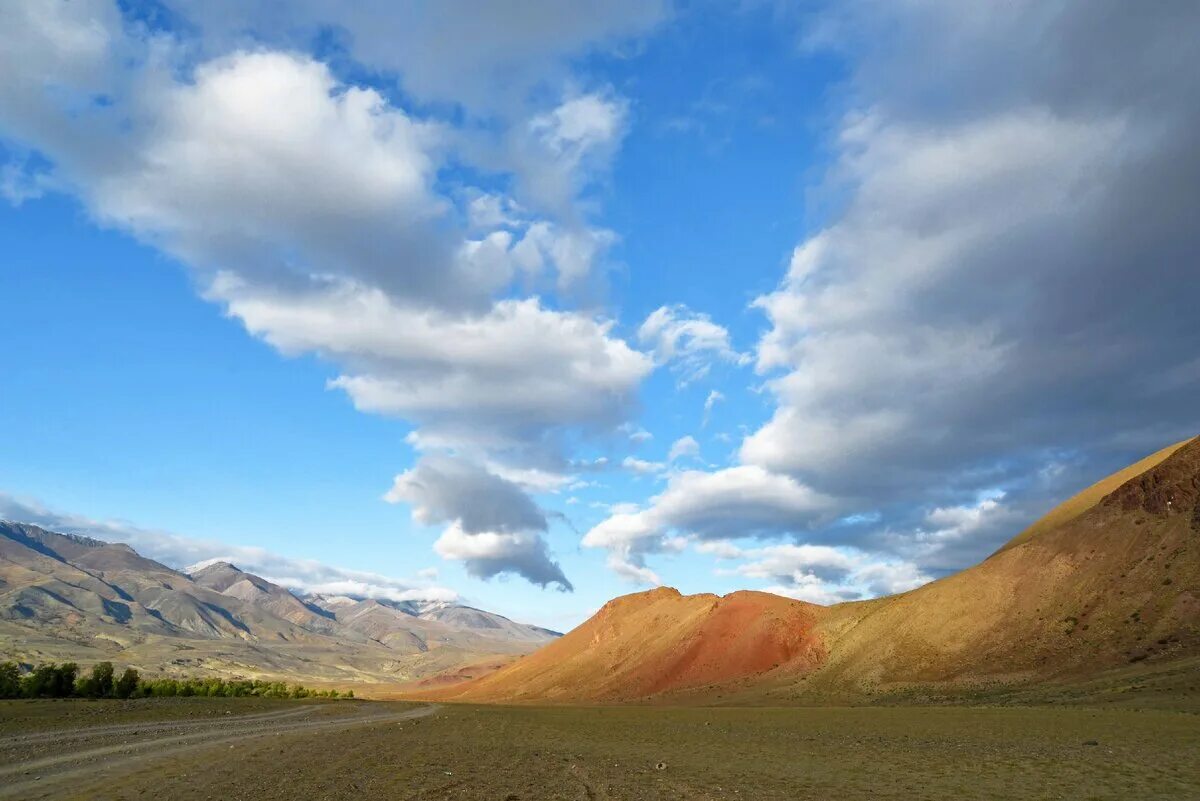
x=632, y=570
x=494, y=526
x=946, y=537
x=488, y=58
x=821, y=571
x=179, y=552
x=744, y=501
x=501, y=380
x=1008, y=275
x=443, y=489
x=1016, y=236
x=820, y=574
x=490, y=553
x=688, y=341
x=564, y=149
x=310, y=208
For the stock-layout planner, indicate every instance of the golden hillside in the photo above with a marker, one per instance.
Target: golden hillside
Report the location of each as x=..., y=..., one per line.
x=1109, y=578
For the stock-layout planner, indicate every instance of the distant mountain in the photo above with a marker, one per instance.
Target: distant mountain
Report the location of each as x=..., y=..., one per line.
x=1108, y=580
x=68, y=597
x=231, y=582
x=428, y=624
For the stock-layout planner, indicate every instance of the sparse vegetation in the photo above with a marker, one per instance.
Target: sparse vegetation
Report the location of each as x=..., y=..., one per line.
x=60, y=681
x=640, y=753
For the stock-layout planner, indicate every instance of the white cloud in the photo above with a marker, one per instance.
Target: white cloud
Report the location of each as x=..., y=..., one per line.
x=934, y=328
x=637, y=435
x=721, y=549
x=642, y=466
x=743, y=501
x=1011, y=236
x=490, y=553
x=497, y=381
x=557, y=157
x=310, y=208
x=690, y=342
x=495, y=527
x=946, y=533
x=632, y=572
x=807, y=588
x=777, y=561
x=442, y=489
x=488, y=211
x=824, y=574
x=685, y=446
x=714, y=397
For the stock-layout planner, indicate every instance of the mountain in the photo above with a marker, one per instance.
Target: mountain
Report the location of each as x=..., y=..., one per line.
x=232, y=582
x=64, y=596
x=1108, y=580
x=660, y=641
x=485, y=624
x=421, y=625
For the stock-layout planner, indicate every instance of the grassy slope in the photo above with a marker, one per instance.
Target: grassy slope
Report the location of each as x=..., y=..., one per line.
x=1108, y=586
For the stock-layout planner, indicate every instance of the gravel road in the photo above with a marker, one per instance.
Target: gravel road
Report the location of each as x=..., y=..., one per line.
x=35, y=765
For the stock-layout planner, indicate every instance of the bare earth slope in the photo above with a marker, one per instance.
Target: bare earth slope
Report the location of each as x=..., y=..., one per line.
x=660, y=641
x=1109, y=579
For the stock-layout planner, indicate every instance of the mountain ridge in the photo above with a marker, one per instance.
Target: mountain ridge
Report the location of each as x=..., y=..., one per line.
x=65, y=596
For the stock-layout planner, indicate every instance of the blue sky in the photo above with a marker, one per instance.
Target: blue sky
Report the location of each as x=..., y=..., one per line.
x=544, y=304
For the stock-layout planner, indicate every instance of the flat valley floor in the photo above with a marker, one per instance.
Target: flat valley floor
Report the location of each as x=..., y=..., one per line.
x=254, y=749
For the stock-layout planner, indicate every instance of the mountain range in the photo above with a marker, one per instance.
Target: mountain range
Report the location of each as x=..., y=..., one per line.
x=1105, y=585
x=64, y=596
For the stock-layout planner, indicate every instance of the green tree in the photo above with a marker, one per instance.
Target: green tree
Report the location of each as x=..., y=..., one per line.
x=10, y=680
x=39, y=682
x=102, y=679
x=63, y=684
x=127, y=685
x=85, y=687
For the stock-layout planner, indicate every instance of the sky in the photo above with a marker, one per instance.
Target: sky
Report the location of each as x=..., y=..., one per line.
x=530, y=304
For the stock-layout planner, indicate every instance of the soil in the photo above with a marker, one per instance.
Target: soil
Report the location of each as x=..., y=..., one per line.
x=54, y=758
x=384, y=750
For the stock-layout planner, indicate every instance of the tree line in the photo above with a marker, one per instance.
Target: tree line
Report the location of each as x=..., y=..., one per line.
x=66, y=681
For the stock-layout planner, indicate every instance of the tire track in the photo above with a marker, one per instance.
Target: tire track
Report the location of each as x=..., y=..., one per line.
x=142, y=727
x=38, y=778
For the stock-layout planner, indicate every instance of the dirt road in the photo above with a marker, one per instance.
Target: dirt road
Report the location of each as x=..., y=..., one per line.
x=36, y=765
